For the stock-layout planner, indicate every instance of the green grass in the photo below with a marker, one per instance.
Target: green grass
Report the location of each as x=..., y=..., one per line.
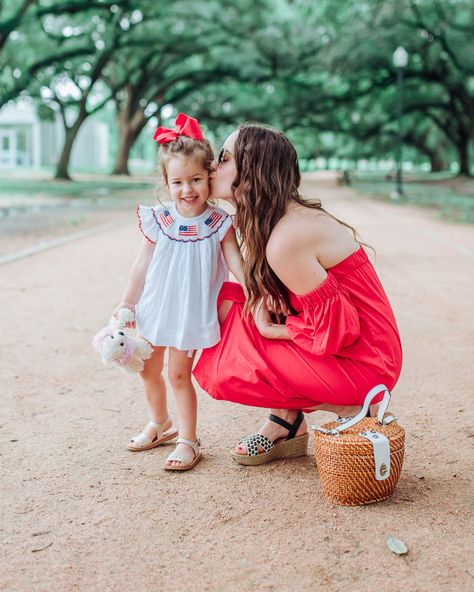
x=448, y=197
x=53, y=188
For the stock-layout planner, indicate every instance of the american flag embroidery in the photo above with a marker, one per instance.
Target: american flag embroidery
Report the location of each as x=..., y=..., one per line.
x=213, y=219
x=166, y=218
x=188, y=230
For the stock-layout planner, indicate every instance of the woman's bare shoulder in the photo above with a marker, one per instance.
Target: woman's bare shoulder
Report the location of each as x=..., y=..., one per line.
x=292, y=251
x=299, y=225
x=311, y=231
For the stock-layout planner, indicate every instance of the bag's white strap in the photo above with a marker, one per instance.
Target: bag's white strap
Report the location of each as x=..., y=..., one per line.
x=381, y=447
x=363, y=412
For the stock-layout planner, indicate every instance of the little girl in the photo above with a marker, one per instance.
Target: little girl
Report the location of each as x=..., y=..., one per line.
x=183, y=261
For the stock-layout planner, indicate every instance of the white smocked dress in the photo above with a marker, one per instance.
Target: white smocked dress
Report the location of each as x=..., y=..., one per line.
x=178, y=305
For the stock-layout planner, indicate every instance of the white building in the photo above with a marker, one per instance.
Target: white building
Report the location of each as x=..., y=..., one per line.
x=27, y=141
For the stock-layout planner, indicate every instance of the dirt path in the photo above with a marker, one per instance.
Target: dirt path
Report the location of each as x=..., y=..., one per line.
x=80, y=513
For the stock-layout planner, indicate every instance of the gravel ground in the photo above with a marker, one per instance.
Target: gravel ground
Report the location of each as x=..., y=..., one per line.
x=80, y=513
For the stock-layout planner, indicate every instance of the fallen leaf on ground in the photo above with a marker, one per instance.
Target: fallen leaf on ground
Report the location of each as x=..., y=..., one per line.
x=396, y=545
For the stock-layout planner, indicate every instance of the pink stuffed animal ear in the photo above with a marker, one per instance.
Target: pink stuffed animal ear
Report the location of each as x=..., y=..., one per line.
x=99, y=338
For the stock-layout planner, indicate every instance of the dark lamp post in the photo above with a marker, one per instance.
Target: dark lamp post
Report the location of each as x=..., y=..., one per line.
x=400, y=61
x=356, y=120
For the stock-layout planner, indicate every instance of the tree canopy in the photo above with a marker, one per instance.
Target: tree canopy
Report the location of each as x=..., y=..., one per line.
x=321, y=71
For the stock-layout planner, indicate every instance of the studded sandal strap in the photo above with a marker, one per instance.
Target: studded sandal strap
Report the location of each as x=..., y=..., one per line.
x=291, y=427
x=253, y=441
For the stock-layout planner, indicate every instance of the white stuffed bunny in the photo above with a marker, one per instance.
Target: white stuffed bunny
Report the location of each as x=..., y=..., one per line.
x=120, y=349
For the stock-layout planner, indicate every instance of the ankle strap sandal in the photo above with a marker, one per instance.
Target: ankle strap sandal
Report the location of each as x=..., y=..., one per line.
x=175, y=456
x=291, y=446
x=143, y=442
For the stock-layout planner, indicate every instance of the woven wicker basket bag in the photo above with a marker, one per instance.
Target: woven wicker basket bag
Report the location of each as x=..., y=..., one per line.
x=359, y=459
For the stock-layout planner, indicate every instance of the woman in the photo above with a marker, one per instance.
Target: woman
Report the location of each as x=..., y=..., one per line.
x=336, y=337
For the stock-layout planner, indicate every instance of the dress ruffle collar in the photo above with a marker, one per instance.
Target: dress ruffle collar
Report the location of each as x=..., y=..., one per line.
x=180, y=228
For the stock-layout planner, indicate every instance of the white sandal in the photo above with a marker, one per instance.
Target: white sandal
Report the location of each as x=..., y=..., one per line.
x=143, y=442
x=176, y=457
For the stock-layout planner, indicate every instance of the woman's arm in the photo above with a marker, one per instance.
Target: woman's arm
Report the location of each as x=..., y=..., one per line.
x=233, y=257
x=136, y=279
x=299, y=251
x=266, y=327
x=303, y=245
x=291, y=255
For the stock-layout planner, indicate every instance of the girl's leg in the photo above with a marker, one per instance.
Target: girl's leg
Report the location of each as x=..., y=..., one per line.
x=155, y=389
x=180, y=367
x=223, y=310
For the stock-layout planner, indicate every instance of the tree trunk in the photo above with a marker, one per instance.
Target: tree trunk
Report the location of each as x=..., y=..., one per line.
x=129, y=132
x=462, y=148
x=438, y=161
x=123, y=152
x=62, y=168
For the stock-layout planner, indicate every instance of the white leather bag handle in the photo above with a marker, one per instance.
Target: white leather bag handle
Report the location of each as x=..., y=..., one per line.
x=363, y=412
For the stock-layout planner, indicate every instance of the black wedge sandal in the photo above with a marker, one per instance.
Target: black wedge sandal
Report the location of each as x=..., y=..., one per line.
x=290, y=446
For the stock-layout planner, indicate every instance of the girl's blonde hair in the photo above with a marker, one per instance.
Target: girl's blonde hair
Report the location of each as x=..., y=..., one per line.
x=183, y=146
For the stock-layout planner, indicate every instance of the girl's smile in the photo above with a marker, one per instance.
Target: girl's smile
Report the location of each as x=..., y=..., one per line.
x=188, y=184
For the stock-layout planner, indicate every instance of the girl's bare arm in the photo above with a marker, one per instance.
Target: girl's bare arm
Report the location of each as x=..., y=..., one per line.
x=233, y=256
x=136, y=279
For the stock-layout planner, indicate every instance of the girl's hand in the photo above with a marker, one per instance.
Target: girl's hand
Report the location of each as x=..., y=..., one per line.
x=131, y=307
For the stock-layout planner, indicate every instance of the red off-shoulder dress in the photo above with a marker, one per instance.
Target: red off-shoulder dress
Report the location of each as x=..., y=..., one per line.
x=344, y=341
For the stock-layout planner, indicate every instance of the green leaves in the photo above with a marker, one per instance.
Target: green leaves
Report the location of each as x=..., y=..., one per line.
x=304, y=66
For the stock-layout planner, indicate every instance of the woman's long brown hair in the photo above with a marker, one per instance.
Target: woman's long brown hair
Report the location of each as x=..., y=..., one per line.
x=268, y=179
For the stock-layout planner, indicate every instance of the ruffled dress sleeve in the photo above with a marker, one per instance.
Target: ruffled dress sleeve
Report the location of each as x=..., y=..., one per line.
x=224, y=228
x=328, y=322
x=147, y=223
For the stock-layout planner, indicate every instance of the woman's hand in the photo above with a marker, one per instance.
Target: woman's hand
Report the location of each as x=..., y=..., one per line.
x=266, y=327
x=131, y=307
x=276, y=307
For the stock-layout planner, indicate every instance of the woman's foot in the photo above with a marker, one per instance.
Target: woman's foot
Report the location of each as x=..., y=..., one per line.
x=275, y=432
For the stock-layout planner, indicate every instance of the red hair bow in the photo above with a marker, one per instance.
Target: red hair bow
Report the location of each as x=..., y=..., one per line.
x=185, y=126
